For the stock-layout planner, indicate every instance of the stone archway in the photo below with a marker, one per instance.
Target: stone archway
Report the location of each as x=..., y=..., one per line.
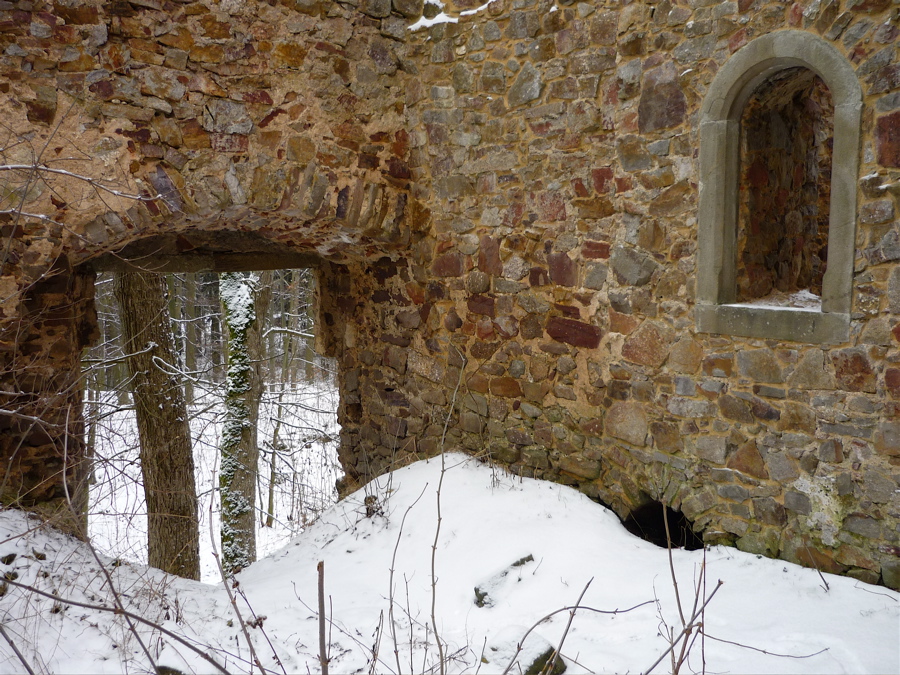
x=197, y=138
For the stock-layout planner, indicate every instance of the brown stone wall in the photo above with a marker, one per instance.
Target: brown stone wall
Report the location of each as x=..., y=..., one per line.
x=250, y=131
x=503, y=213
x=562, y=146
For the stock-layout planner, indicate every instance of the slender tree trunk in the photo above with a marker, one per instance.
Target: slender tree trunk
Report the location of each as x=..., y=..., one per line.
x=244, y=299
x=190, y=335
x=167, y=463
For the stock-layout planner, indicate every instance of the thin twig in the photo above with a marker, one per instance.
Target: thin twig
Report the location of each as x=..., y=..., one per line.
x=225, y=585
x=90, y=546
x=391, y=582
x=763, y=651
x=127, y=614
x=687, y=629
x=323, y=656
x=43, y=168
x=551, y=662
x=16, y=650
x=567, y=609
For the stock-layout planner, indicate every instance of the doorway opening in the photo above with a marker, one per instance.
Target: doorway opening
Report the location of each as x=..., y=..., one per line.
x=295, y=423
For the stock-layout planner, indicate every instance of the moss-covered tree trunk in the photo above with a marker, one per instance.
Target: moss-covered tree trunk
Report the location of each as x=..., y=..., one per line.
x=244, y=301
x=167, y=461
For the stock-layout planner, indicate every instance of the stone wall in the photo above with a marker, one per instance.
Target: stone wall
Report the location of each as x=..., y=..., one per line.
x=503, y=211
x=562, y=143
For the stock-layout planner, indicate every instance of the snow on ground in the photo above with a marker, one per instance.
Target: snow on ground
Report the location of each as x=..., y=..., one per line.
x=489, y=520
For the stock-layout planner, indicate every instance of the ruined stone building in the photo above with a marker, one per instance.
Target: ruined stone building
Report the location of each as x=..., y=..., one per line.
x=646, y=248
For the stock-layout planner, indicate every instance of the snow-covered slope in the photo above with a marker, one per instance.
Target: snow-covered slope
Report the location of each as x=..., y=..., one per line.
x=489, y=522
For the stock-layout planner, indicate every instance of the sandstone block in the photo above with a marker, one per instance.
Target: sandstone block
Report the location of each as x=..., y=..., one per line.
x=627, y=420
x=526, y=87
x=853, y=370
x=759, y=365
x=649, y=344
x=631, y=266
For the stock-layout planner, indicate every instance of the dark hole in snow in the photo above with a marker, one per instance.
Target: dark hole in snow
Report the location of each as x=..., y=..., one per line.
x=648, y=523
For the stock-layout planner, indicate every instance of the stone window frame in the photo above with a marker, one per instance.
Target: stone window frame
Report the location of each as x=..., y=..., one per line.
x=717, y=217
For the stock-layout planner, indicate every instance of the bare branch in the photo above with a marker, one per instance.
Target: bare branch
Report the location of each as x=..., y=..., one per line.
x=93, y=182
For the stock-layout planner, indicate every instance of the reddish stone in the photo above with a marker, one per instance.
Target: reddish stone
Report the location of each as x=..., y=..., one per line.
x=718, y=365
x=663, y=104
x=595, y=250
x=484, y=350
x=77, y=14
x=478, y=383
x=601, y=178
x=229, y=142
x=666, y=436
x=484, y=329
x=648, y=346
x=892, y=382
x=258, y=96
x=580, y=189
x=621, y=323
x=853, y=370
x=887, y=139
x=574, y=332
x=795, y=15
x=593, y=427
x=505, y=386
x=448, y=265
x=489, y=256
x=748, y=461
x=764, y=411
x=562, y=269
x=623, y=184
x=194, y=136
x=738, y=40
x=537, y=276
x=551, y=207
x=809, y=556
x=567, y=310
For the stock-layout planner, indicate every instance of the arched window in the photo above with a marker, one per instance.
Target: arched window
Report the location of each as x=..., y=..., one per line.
x=777, y=217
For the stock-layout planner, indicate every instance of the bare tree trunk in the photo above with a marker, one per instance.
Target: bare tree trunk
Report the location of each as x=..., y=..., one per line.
x=245, y=300
x=167, y=463
x=190, y=335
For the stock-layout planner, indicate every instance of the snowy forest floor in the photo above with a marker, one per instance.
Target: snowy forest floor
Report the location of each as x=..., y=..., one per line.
x=379, y=594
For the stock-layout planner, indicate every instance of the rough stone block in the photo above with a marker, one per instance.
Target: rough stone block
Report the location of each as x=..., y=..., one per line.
x=627, y=420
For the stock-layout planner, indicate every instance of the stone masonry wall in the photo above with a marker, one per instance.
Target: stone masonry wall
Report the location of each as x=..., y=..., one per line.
x=562, y=148
x=503, y=213
x=267, y=130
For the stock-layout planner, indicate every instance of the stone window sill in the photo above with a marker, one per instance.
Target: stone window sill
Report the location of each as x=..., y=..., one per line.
x=797, y=324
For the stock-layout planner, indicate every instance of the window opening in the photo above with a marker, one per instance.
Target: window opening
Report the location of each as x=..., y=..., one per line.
x=787, y=138
x=776, y=232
